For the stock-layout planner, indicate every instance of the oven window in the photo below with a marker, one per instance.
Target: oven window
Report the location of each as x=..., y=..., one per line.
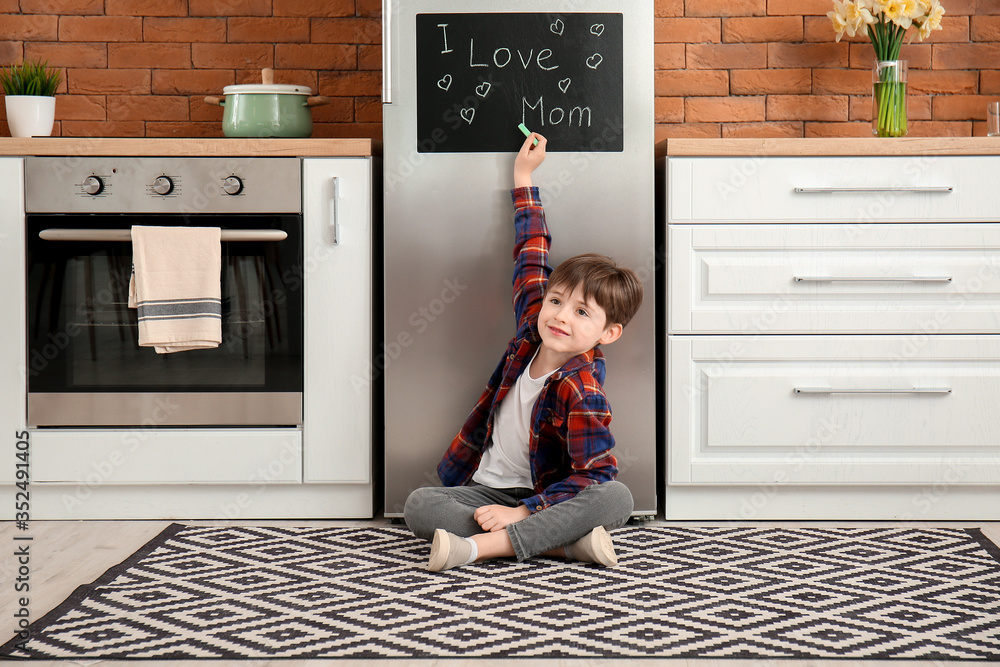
x=83, y=337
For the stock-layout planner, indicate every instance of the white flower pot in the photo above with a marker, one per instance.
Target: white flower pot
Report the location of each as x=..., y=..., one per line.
x=30, y=115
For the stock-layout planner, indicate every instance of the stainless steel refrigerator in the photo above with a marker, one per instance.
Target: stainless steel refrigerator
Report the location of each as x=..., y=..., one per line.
x=459, y=77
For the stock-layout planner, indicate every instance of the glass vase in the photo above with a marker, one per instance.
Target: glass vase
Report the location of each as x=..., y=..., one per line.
x=889, y=98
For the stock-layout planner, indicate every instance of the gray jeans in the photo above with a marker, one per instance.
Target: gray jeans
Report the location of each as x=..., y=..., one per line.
x=608, y=504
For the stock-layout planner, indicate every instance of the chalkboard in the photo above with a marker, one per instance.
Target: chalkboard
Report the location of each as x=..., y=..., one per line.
x=480, y=75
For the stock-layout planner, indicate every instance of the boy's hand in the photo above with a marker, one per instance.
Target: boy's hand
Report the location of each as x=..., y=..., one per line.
x=496, y=517
x=528, y=159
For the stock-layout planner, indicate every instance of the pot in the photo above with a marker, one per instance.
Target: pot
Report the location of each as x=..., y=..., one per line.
x=267, y=109
x=30, y=115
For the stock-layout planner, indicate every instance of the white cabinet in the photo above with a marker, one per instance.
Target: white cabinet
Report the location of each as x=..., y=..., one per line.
x=766, y=278
x=858, y=190
x=833, y=346
x=337, y=410
x=13, y=388
x=834, y=409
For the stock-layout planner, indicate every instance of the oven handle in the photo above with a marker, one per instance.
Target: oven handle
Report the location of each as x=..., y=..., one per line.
x=126, y=235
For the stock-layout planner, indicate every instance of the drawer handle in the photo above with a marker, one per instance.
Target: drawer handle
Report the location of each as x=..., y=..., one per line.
x=902, y=188
x=872, y=279
x=915, y=390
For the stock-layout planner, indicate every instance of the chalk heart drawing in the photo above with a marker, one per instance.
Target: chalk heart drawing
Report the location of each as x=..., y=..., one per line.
x=558, y=27
x=483, y=89
x=564, y=84
x=444, y=83
x=595, y=60
x=468, y=115
x=597, y=29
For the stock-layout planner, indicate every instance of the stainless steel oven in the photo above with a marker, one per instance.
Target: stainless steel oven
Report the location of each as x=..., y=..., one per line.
x=85, y=367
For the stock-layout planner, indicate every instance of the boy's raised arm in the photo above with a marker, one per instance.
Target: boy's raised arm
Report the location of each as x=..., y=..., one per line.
x=531, y=235
x=528, y=159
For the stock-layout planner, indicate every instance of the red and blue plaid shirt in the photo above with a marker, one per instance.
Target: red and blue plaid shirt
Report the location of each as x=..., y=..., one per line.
x=570, y=446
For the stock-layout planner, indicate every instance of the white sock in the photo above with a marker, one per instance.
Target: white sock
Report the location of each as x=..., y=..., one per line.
x=475, y=550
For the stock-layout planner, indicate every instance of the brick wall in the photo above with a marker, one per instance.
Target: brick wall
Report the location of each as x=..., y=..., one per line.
x=772, y=68
x=724, y=68
x=144, y=67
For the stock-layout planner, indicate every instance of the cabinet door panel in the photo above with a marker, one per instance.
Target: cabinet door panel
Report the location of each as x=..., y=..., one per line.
x=860, y=190
x=13, y=361
x=337, y=410
x=834, y=409
x=834, y=278
x=256, y=457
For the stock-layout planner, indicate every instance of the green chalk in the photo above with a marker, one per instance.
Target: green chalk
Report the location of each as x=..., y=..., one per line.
x=527, y=133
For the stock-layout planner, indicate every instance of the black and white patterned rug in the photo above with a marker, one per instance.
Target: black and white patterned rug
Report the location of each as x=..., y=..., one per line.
x=736, y=592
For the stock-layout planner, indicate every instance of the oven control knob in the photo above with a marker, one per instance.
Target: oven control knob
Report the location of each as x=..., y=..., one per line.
x=233, y=185
x=163, y=185
x=93, y=185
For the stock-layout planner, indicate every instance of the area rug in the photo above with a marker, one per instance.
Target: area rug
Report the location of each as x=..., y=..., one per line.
x=725, y=592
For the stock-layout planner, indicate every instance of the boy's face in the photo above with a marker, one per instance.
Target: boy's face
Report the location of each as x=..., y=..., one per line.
x=570, y=325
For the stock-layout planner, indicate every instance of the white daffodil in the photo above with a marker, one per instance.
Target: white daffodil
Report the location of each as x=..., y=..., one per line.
x=931, y=21
x=839, y=18
x=858, y=18
x=901, y=12
x=934, y=14
x=850, y=17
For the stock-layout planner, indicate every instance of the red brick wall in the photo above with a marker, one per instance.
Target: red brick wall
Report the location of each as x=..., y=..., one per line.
x=143, y=67
x=724, y=68
x=772, y=68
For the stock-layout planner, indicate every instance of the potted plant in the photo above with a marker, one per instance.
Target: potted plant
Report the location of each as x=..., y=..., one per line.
x=885, y=23
x=30, y=98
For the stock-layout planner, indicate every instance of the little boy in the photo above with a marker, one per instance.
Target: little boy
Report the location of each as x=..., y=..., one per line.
x=531, y=472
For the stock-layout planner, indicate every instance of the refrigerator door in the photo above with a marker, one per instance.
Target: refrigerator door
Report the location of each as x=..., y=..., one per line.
x=449, y=239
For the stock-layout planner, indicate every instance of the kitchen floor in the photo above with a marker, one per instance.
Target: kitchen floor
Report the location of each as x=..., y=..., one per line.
x=66, y=554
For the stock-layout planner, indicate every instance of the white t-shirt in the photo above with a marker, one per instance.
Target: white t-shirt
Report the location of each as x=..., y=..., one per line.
x=506, y=464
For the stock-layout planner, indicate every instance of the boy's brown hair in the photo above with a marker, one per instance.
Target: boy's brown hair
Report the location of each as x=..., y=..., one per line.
x=614, y=288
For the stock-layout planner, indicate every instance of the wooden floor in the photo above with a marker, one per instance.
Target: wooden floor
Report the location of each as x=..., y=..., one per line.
x=66, y=554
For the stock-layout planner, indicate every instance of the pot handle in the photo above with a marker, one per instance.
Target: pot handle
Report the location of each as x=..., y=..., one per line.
x=317, y=100
x=217, y=101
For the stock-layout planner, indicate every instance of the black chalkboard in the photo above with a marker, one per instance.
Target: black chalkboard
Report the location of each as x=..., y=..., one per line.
x=480, y=75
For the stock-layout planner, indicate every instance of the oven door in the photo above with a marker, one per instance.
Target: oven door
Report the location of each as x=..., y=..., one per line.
x=85, y=367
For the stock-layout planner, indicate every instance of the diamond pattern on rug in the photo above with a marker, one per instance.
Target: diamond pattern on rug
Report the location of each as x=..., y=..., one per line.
x=729, y=592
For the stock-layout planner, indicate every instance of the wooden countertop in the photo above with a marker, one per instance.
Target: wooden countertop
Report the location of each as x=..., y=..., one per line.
x=832, y=146
x=236, y=147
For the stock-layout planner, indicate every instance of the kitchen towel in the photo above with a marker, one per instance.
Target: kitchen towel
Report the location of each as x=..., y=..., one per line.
x=175, y=286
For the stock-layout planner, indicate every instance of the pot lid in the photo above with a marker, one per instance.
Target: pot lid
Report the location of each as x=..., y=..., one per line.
x=267, y=88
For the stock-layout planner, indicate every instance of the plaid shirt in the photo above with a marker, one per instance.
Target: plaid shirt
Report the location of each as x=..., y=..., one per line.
x=570, y=445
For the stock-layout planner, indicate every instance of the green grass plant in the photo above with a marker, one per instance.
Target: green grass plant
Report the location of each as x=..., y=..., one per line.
x=29, y=78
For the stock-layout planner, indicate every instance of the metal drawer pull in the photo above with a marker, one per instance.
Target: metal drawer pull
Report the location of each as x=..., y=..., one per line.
x=915, y=390
x=126, y=235
x=873, y=279
x=902, y=188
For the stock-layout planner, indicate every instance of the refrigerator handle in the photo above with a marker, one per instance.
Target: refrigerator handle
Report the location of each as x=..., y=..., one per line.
x=386, y=52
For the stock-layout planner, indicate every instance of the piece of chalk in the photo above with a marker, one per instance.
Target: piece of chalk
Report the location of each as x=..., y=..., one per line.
x=527, y=133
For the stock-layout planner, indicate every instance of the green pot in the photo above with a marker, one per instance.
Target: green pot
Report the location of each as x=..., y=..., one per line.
x=267, y=110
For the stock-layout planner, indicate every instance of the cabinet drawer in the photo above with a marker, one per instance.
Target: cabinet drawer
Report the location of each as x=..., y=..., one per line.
x=860, y=190
x=893, y=278
x=166, y=456
x=833, y=410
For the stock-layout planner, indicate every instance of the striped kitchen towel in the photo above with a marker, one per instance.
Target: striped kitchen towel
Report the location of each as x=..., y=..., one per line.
x=176, y=287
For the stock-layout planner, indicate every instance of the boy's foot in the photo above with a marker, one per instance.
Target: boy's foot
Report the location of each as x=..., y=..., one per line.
x=449, y=550
x=594, y=547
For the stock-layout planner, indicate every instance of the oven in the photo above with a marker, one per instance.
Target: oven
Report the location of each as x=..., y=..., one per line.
x=84, y=365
